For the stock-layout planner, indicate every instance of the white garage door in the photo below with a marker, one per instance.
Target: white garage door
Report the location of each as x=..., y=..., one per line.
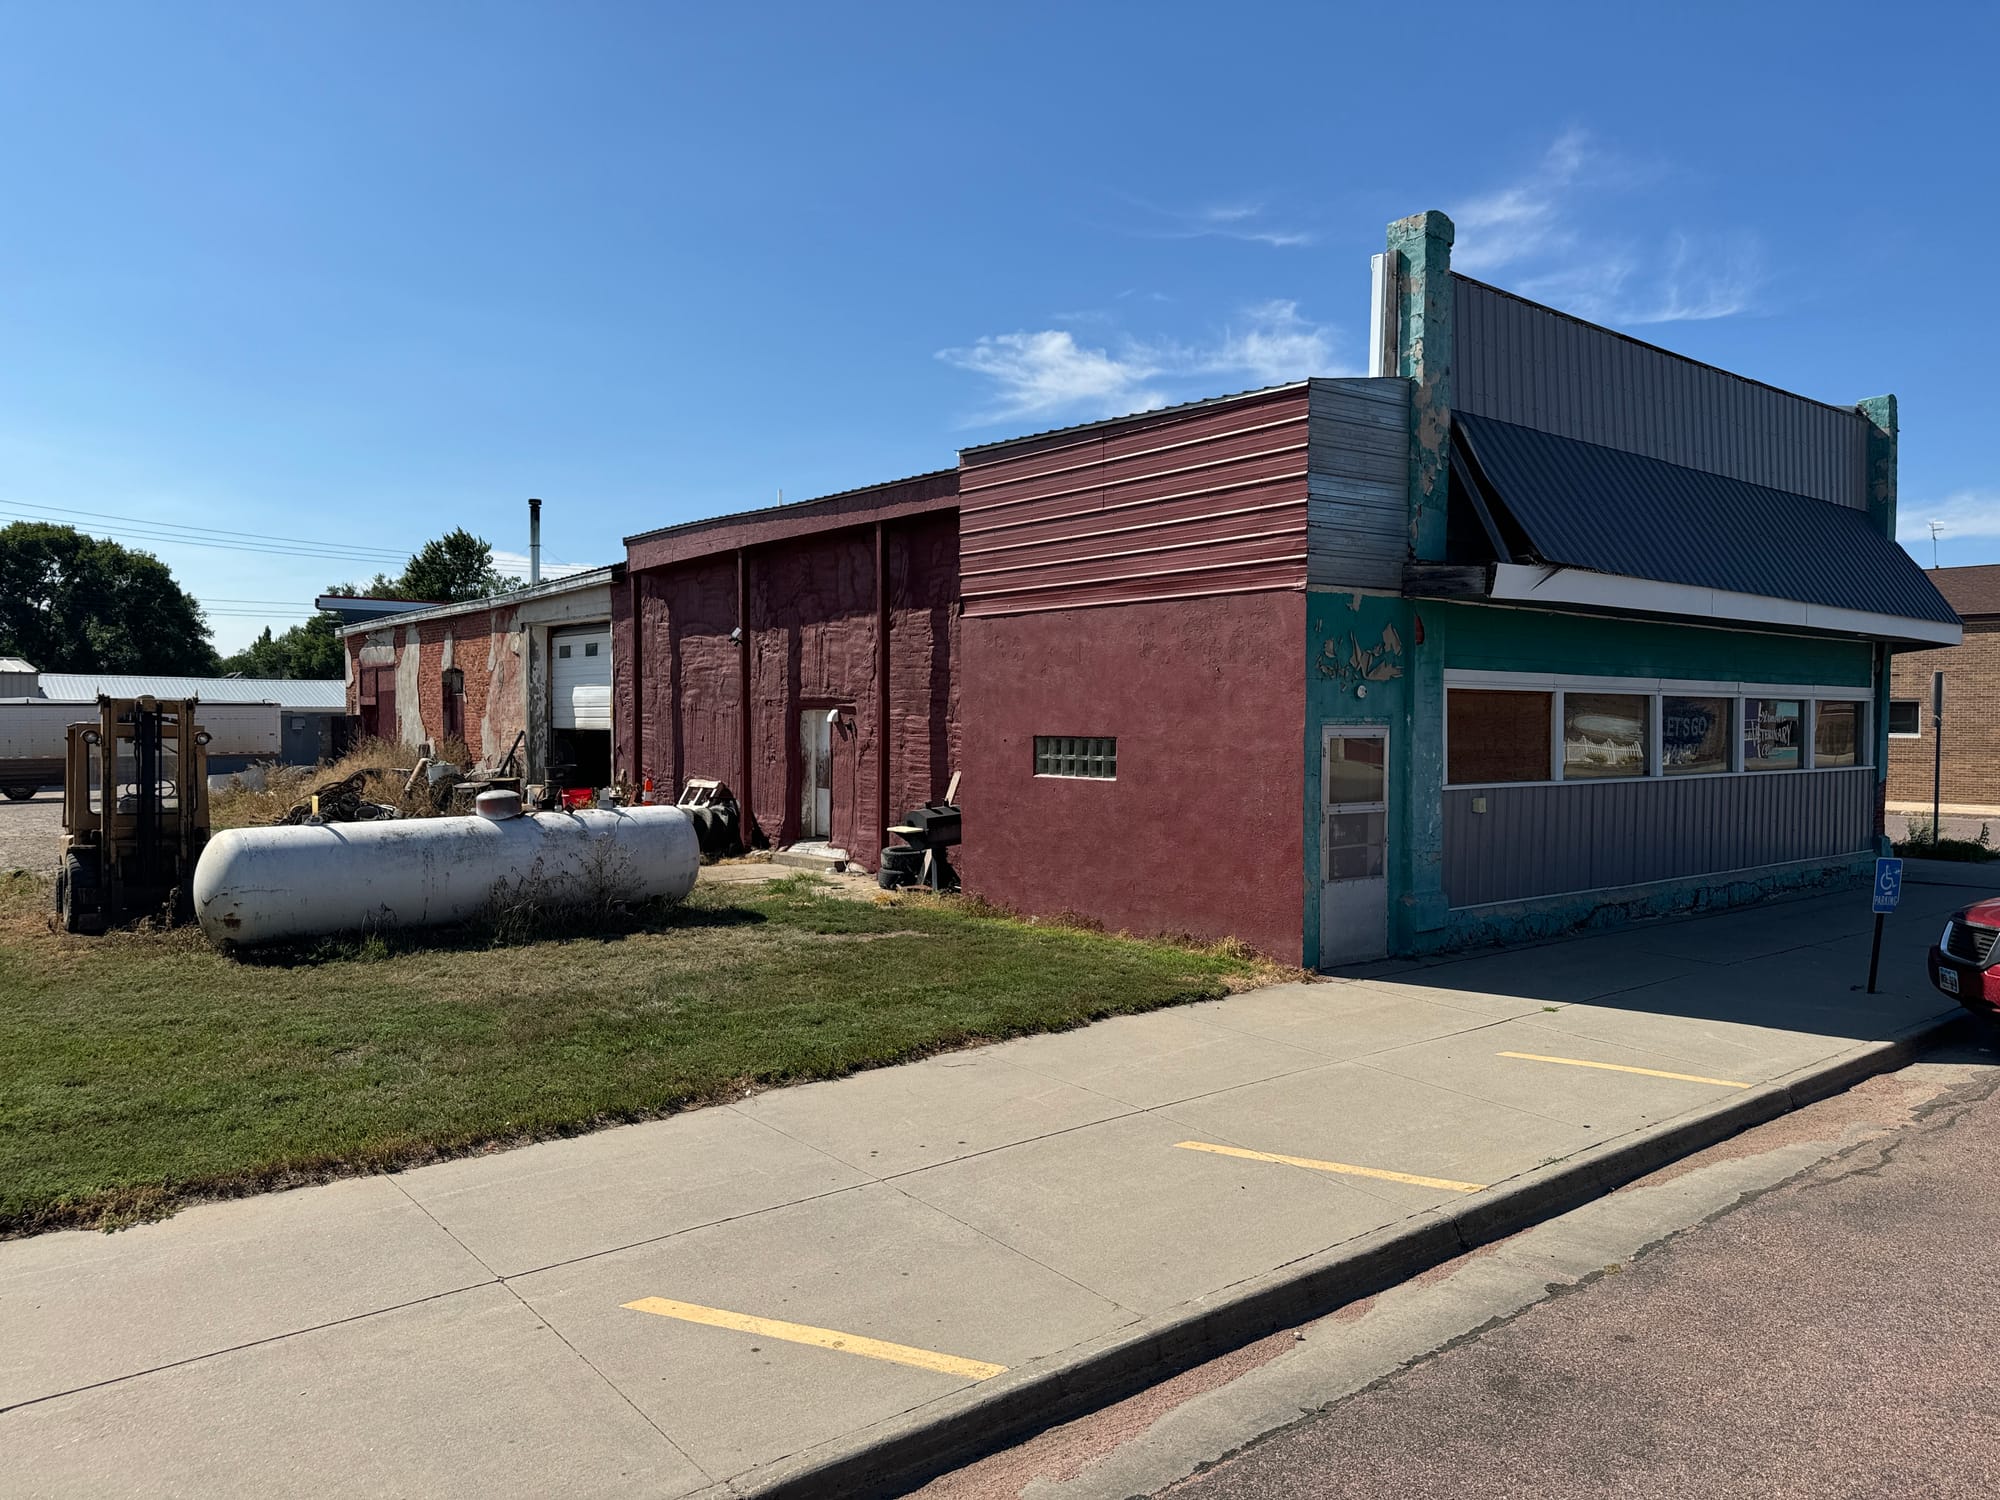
x=580, y=678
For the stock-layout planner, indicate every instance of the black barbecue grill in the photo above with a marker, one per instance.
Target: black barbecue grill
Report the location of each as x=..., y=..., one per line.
x=930, y=829
x=935, y=825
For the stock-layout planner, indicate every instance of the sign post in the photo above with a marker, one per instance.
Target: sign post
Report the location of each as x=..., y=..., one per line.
x=1888, y=891
x=1937, y=755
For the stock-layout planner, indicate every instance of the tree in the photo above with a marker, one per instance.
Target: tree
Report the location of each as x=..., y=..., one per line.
x=76, y=603
x=456, y=567
x=311, y=650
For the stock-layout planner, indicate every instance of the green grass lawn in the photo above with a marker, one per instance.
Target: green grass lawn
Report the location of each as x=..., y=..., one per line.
x=139, y=1070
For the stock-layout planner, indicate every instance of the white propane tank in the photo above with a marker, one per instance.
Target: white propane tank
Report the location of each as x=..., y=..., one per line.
x=267, y=885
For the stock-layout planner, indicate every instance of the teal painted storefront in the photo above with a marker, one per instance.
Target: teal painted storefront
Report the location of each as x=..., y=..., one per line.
x=1379, y=660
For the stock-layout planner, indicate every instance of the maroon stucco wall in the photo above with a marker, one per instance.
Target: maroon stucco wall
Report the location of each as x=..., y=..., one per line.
x=812, y=614
x=1201, y=832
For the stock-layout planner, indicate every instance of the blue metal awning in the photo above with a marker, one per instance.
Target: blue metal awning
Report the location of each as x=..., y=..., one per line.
x=1568, y=505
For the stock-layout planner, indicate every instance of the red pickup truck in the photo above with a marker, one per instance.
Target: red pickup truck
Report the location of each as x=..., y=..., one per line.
x=1965, y=964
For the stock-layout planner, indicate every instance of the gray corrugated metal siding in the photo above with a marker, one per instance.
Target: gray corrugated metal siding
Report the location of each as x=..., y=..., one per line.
x=1549, y=840
x=1587, y=506
x=1357, y=483
x=1524, y=363
x=304, y=694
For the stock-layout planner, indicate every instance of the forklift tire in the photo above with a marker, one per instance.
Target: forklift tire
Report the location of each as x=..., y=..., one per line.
x=17, y=793
x=76, y=896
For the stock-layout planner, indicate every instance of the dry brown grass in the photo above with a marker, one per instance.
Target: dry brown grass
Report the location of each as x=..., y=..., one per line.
x=384, y=765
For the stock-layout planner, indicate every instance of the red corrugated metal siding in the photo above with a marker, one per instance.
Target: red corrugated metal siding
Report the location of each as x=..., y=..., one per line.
x=1211, y=502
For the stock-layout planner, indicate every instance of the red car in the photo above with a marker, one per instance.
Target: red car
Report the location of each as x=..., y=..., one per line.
x=1965, y=964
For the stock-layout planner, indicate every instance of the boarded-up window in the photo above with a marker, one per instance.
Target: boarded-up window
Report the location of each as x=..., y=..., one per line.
x=454, y=703
x=1497, y=736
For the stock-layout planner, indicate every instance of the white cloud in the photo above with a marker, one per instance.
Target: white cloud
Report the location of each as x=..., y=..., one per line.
x=1243, y=220
x=1524, y=219
x=1045, y=373
x=1538, y=226
x=1964, y=513
x=1273, y=345
x=1038, y=373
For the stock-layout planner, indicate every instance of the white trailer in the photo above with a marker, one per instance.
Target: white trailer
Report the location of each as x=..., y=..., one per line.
x=34, y=734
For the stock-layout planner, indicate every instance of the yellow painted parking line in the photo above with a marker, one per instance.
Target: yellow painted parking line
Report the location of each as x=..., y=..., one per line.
x=819, y=1338
x=1579, y=1062
x=1344, y=1168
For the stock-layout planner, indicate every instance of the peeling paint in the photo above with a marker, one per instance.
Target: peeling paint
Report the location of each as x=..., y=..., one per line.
x=1422, y=245
x=1882, y=439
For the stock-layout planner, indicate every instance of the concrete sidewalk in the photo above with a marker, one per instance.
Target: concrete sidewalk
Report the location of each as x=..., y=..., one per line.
x=731, y=1300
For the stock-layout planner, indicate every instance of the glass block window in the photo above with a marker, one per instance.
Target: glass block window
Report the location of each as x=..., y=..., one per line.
x=1095, y=758
x=1694, y=735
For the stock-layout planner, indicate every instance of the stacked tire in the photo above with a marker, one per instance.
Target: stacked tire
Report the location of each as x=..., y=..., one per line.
x=902, y=864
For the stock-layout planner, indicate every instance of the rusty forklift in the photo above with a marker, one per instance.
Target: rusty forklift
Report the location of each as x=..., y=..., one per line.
x=135, y=812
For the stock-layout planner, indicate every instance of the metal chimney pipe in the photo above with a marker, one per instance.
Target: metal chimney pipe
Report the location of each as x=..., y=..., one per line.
x=534, y=542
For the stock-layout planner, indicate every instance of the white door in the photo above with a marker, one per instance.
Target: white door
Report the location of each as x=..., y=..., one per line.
x=580, y=678
x=1354, y=845
x=816, y=761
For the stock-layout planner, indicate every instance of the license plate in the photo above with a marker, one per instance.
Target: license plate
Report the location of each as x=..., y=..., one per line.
x=1948, y=981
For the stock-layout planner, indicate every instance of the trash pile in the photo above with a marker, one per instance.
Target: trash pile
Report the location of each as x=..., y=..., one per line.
x=337, y=802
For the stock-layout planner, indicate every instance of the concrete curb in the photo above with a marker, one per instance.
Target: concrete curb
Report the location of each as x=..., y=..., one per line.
x=1984, y=877
x=897, y=1455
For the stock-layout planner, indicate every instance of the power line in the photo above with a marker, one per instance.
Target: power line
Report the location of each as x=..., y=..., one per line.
x=218, y=599
x=324, y=554
x=225, y=531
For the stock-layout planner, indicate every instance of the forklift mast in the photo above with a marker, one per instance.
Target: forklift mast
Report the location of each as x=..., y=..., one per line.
x=135, y=809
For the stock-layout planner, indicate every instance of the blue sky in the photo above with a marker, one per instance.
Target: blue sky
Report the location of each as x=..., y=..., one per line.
x=359, y=273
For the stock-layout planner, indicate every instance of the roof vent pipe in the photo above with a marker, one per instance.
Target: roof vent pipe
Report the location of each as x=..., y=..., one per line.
x=1384, y=310
x=534, y=542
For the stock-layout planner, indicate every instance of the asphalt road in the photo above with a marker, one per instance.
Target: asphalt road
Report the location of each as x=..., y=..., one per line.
x=1832, y=1336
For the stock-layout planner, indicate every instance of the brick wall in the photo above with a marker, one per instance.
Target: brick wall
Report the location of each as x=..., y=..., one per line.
x=1972, y=720
x=480, y=644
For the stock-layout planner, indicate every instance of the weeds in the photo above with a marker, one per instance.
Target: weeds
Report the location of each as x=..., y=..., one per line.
x=1922, y=842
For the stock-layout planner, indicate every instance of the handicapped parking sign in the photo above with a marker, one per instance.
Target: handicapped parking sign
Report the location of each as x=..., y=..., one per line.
x=1888, y=884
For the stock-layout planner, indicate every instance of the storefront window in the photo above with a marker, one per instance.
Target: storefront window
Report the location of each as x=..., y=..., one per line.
x=1496, y=736
x=1604, y=735
x=1836, y=734
x=1773, y=734
x=1694, y=735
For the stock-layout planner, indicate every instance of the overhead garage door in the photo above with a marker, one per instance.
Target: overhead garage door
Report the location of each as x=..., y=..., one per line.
x=580, y=678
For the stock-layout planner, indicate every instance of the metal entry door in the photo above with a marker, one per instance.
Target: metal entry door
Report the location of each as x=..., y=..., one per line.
x=816, y=762
x=1354, y=840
